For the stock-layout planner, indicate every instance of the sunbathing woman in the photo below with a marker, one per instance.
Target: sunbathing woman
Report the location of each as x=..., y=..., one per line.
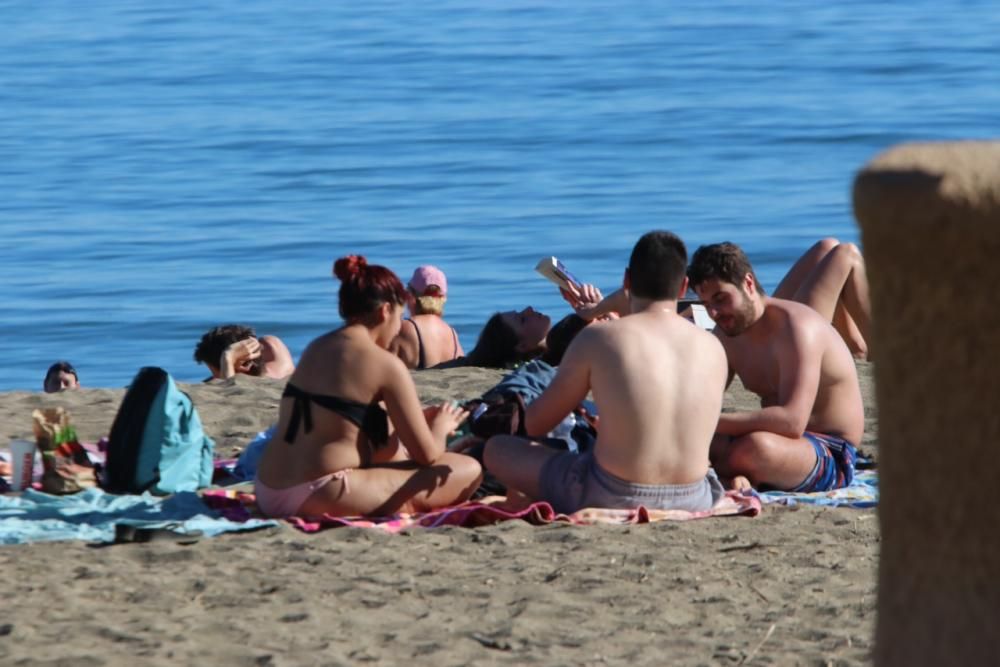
x=335, y=451
x=515, y=336
x=425, y=339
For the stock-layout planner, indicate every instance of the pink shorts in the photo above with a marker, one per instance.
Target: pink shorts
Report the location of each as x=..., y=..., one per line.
x=280, y=503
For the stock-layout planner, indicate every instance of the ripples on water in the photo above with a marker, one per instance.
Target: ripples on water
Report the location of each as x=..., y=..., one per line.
x=168, y=166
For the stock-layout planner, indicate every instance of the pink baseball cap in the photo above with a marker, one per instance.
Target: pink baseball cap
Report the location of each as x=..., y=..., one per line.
x=429, y=280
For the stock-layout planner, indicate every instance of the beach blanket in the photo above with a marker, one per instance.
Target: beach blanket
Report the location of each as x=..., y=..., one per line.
x=486, y=512
x=93, y=515
x=862, y=493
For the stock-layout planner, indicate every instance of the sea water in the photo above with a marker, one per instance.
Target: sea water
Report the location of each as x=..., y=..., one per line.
x=169, y=166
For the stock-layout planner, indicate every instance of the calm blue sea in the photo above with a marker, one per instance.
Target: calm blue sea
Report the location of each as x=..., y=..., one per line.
x=168, y=166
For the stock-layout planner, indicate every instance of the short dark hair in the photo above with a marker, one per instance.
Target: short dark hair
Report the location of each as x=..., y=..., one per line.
x=55, y=369
x=656, y=267
x=215, y=341
x=725, y=262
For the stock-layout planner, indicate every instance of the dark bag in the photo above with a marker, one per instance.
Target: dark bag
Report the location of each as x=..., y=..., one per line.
x=503, y=415
x=156, y=442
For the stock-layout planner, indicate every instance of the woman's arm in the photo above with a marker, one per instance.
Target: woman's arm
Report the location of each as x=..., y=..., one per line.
x=590, y=305
x=423, y=436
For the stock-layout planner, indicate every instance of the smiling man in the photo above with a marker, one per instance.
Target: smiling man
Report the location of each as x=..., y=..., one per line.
x=811, y=420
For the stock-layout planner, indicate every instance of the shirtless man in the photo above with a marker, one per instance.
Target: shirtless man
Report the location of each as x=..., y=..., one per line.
x=658, y=383
x=811, y=420
x=234, y=349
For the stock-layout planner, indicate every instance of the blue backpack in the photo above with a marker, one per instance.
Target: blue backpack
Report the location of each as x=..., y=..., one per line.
x=156, y=442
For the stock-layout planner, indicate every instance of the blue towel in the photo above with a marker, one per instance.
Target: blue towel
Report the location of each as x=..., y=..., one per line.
x=92, y=515
x=862, y=493
x=246, y=465
x=529, y=380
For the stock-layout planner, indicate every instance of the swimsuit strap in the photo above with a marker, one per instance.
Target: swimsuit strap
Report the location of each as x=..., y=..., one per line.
x=421, y=359
x=301, y=411
x=370, y=418
x=454, y=337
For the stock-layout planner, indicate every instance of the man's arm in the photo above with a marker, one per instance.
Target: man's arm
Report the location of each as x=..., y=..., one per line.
x=570, y=386
x=799, y=360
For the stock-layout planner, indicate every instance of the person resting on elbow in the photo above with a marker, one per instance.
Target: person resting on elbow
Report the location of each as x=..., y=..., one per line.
x=235, y=349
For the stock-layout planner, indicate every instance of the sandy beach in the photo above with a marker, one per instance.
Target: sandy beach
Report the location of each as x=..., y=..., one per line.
x=791, y=586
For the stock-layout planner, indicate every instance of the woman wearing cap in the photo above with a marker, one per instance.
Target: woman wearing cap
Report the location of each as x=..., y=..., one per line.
x=425, y=339
x=352, y=438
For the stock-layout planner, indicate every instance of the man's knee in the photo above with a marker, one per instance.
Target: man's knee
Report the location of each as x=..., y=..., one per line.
x=493, y=452
x=750, y=454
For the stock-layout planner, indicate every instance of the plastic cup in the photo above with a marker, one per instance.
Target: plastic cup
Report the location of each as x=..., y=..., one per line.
x=22, y=463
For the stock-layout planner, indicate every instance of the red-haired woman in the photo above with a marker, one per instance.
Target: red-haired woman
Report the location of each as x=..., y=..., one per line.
x=334, y=451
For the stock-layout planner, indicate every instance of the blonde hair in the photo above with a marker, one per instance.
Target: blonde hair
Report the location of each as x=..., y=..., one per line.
x=429, y=305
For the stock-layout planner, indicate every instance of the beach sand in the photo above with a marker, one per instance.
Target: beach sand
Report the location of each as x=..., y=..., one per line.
x=792, y=586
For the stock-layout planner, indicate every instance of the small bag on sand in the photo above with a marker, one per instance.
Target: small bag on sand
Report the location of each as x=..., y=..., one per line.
x=65, y=462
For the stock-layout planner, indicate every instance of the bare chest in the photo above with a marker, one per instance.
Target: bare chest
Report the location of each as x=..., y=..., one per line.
x=757, y=368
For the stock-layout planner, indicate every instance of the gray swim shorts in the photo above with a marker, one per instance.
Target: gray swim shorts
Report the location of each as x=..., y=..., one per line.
x=571, y=482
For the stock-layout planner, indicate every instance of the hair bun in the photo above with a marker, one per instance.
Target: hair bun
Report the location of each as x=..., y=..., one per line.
x=348, y=266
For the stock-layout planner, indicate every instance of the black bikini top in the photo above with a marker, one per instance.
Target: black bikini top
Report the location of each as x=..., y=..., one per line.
x=370, y=418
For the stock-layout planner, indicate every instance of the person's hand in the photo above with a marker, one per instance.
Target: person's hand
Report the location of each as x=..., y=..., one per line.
x=448, y=418
x=240, y=357
x=584, y=299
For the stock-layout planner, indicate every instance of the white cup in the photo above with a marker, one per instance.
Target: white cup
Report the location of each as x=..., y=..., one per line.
x=22, y=463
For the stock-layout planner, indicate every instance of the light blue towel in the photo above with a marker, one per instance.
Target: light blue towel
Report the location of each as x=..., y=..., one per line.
x=862, y=493
x=246, y=465
x=92, y=515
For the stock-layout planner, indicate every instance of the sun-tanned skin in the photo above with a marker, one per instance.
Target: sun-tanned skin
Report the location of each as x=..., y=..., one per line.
x=658, y=383
x=413, y=473
x=790, y=356
x=830, y=277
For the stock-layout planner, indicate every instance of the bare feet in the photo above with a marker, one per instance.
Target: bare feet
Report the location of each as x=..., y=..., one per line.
x=738, y=483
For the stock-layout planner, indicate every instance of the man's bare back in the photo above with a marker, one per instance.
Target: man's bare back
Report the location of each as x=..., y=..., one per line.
x=658, y=382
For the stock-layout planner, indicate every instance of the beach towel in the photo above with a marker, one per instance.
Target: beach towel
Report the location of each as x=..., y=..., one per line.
x=92, y=515
x=487, y=512
x=862, y=493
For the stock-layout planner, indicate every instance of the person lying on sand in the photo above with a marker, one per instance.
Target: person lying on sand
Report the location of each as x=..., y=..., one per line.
x=514, y=336
x=334, y=451
x=658, y=383
x=234, y=349
x=805, y=435
x=425, y=339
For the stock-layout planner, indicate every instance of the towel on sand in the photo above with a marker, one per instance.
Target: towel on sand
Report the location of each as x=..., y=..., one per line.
x=486, y=512
x=862, y=493
x=92, y=515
